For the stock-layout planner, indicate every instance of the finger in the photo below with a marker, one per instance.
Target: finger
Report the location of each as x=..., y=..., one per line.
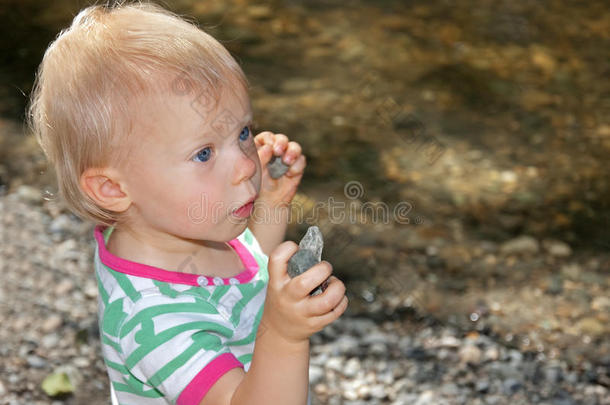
x=333, y=314
x=278, y=262
x=280, y=144
x=331, y=297
x=265, y=153
x=298, y=167
x=265, y=137
x=307, y=281
x=293, y=152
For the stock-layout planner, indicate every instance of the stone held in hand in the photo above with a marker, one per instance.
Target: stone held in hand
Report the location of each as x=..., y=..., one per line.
x=300, y=262
x=313, y=242
x=276, y=167
x=309, y=254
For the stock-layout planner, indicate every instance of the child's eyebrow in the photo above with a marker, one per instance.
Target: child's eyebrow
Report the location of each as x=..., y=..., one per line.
x=206, y=133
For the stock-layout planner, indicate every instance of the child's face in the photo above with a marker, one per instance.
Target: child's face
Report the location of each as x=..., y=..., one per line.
x=194, y=163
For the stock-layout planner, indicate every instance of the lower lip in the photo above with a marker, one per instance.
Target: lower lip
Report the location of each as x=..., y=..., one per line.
x=244, y=211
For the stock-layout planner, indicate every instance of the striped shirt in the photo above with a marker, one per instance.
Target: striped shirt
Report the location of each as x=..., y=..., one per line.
x=168, y=336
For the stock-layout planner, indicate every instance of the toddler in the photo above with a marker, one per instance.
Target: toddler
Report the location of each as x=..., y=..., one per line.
x=147, y=122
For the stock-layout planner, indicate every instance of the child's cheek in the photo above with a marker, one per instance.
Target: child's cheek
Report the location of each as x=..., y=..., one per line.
x=198, y=209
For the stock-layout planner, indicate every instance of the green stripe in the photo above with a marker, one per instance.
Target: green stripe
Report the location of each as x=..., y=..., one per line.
x=248, y=236
x=262, y=264
x=249, y=292
x=100, y=287
x=121, y=278
x=218, y=293
x=107, y=233
x=245, y=359
x=150, y=312
x=167, y=290
x=116, y=366
x=107, y=341
x=174, y=365
x=250, y=338
x=113, y=317
x=137, y=388
x=205, y=340
x=125, y=284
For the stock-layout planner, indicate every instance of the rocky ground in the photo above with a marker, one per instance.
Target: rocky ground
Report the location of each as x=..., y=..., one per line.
x=389, y=355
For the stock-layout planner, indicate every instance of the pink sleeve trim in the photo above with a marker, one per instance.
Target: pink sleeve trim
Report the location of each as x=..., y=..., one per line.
x=143, y=270
x=203, y=381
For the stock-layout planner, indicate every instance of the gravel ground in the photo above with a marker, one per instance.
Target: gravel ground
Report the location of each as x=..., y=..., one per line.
x=48, y=301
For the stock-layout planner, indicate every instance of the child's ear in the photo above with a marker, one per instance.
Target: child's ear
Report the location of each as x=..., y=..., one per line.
x=105, y=187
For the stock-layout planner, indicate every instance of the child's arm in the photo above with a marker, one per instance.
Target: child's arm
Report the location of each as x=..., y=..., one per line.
x=272, y=209
x=269, y=234
x=279, y=372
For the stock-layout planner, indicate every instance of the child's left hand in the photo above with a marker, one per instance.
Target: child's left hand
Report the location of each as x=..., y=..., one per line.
x=282, y=190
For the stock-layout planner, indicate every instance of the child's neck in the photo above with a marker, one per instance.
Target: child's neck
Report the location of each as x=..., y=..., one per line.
x=207, y=258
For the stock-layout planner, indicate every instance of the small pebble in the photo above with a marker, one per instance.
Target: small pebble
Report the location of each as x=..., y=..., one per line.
x=521, y=245
x=316, y=374
x=277, y=168
x=36, y=361
x=511, y=386
x=50, y=324
x=470, y=354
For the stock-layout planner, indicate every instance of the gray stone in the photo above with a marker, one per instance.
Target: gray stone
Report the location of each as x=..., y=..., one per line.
x=309, y=254
x=36, y=361
x=482, y=386
x=563, y=400
x=276, y=167
x=378, y=391
x=511, y=386
x=316, y=374
x=346, y=344
x=515, y=357
x=450, y=390
x=553, y=374
x=313, y=242
x=300, y=262
x=504, y=370
x=29, y=194
x=351, y=368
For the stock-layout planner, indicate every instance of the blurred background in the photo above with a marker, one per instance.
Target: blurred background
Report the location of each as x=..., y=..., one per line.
x=469, y=144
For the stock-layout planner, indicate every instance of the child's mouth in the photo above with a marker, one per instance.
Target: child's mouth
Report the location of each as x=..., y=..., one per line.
x=245, y=210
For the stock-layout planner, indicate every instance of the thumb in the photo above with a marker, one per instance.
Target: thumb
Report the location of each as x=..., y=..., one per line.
x=278, y=262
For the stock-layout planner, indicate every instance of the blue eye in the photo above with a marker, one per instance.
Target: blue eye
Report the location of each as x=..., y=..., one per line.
x=203, y=154
x=245, y=132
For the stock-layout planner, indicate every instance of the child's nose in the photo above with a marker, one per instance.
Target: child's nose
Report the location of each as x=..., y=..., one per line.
x=245, y=168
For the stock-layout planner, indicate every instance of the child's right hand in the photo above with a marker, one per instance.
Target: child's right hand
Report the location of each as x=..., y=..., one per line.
x=290, y=312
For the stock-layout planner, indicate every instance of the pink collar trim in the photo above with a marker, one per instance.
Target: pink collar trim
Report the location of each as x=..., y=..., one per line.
x=156, y=273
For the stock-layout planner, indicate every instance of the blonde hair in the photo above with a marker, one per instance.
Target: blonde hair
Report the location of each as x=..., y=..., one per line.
x=84, y=96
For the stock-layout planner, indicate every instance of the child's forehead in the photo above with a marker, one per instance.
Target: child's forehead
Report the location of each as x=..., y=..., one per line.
x=189, y=117
x=200, y=97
